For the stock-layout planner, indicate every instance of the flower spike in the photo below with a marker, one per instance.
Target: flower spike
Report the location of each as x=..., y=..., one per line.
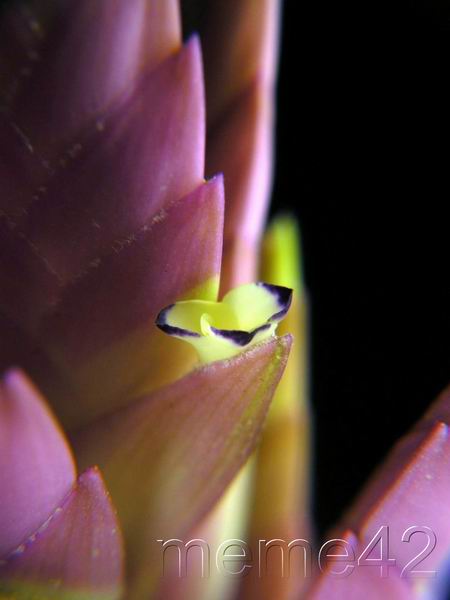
x=246, y=315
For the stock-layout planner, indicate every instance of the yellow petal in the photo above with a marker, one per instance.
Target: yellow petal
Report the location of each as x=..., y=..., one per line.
x=247, y=315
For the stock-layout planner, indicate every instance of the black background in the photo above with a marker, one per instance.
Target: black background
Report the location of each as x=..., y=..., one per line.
x=363, y=161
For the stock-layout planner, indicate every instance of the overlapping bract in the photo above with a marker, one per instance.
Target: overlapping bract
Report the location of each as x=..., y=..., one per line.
x=92, y=187
x=168, y=457
x=33, y=456
x=59, y=535
x=411, y=489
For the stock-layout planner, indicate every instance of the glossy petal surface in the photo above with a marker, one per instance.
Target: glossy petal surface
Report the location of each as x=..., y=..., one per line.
x=168, y=457
x=36, y=466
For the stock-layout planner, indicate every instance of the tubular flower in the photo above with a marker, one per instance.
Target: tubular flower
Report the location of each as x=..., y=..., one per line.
x=111, y=238
x=245, y=316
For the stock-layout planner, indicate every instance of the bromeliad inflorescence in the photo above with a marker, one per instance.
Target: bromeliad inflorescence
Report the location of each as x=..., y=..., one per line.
x=109, y=210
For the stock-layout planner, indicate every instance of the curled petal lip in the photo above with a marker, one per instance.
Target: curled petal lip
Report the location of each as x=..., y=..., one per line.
x=161, y=322
x=281, y=295
x=284, y=297
x=241, y=338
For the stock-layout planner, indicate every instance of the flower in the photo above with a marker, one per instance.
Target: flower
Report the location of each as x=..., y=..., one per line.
x=108, y=225
x=246, y=315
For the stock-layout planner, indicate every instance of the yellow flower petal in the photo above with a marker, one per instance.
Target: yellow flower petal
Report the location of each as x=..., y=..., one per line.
x=247, y=315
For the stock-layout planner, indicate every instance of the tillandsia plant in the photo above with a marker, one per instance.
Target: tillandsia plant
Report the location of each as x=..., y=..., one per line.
x=144, y=327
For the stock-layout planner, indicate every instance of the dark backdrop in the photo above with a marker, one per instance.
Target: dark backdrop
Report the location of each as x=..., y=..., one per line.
x=363, y=162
